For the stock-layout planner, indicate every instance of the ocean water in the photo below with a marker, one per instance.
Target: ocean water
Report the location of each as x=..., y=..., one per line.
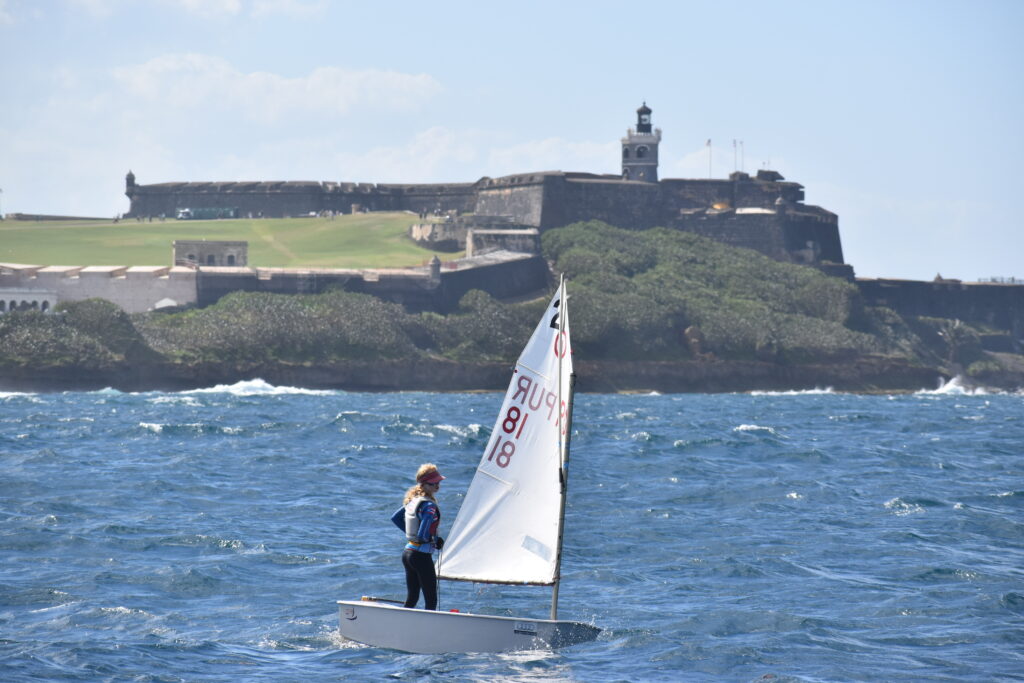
x=814, y=536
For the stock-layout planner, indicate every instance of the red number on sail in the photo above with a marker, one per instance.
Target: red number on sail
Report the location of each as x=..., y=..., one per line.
x=560, y=345
x=508, y=449
x=511, y=419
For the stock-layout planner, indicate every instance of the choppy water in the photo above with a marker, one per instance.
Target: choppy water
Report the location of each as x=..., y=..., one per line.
x=785, y=537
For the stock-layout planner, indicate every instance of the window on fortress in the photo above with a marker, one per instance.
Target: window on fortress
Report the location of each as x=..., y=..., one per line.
x=3, y=306
x=231, y=259
x=45, y=307
x=641, y=152
x=625, y=152
x=209, y=260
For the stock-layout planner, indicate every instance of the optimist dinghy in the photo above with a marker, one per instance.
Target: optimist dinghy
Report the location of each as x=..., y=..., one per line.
x=509, y=528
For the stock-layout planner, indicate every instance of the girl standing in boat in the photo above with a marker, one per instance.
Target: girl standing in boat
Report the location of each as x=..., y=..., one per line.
x=421, y=518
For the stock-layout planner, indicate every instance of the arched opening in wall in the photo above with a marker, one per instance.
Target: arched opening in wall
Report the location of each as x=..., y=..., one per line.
x=625, y=152
x=641, y=152
x=210, y=260
x=231, y=259
x=625, y=174
x=45, y=307
x=13, y=306
x=191, y=258
x=35, y=305
x=3, y=306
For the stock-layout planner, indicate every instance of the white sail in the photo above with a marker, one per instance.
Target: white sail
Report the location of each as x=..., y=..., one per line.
x=507, y=529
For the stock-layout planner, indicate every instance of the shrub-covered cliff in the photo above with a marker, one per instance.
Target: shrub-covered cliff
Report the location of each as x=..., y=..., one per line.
x=657, y=309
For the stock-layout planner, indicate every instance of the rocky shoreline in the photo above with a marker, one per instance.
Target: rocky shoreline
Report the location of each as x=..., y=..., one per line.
x=860, y=375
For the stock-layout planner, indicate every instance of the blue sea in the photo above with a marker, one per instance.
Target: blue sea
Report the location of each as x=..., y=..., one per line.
x=809, y=536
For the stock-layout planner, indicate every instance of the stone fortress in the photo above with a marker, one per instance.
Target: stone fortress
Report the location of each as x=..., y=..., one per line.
x=762, y=212
x=497, y=221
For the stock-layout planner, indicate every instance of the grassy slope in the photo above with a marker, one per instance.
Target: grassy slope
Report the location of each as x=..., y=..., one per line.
x=373, y=240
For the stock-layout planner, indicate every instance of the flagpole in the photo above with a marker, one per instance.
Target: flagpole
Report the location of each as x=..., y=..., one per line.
x=709, y=158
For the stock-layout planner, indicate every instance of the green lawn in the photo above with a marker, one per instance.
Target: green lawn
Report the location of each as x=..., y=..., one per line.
x=370, y=240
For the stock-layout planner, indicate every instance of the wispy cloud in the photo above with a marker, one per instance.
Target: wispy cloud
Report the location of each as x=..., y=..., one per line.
x=211, y=8
x=554, y=154
x=6, y=18
x=297, y=8
x=192, y=80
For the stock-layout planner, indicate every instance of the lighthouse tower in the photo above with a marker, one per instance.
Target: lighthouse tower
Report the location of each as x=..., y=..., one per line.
x=640, y=149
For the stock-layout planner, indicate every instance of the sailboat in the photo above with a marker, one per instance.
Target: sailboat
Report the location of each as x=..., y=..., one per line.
x=509, y=528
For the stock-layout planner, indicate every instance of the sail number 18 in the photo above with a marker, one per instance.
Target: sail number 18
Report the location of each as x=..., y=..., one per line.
x=503, y=450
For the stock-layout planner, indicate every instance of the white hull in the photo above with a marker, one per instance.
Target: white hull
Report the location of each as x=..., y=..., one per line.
x=429, y=632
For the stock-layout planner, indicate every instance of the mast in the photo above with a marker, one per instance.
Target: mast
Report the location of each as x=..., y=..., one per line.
x=563, y=472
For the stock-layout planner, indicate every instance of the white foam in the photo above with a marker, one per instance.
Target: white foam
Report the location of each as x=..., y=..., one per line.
x=798, y=392
x=460, y=430
x=901, y=508
x=753, y=428
x=30, y=397
x=954, y=387
x=176, y=400
x=257, y=387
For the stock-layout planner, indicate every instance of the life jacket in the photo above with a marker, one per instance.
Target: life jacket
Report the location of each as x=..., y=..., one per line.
x=412, y=520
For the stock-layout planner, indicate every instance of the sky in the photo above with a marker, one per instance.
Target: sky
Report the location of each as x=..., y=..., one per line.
x=902, y=117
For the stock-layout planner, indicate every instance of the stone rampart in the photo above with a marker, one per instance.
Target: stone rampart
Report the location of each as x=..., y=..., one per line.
x=278, y=199
x=543, y=200
x=435, y=287
x=997, y=305
x=521, y=198
x=803, y=234
x=210, y=253
x=626, y=204
x=135, y=289
x=479, y=242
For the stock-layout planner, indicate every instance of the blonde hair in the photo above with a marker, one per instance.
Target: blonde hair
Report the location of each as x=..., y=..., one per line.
x=417, y=489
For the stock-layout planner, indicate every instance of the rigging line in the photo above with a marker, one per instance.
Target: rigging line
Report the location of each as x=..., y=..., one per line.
x=496, y=478
x=527, y=367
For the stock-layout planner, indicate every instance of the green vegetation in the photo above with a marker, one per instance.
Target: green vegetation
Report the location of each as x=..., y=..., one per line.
x=656, y=295
x=637, y=292
x=369, y=240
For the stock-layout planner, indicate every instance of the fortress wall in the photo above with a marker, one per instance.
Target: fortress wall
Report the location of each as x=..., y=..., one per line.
x=740, y=192
x=522, y=203
x=808, y=234
x=998, y=305
x=415, y=288
x=481, y=241
x=136, y=289
x=626, y=204
x=815, y=229
x=270, y=199
x=764, y=193
x=695, y=194
x=279, y=199
x=761, y=232
x=367, y=197
x=502, y=280
x=457, y=197
x=441, y=236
